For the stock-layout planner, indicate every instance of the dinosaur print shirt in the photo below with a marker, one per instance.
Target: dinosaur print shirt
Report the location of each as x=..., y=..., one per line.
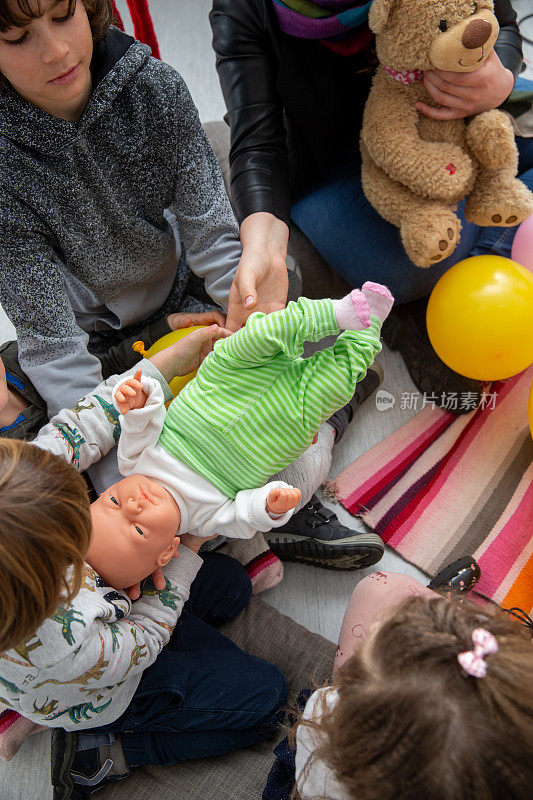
x=82, y=666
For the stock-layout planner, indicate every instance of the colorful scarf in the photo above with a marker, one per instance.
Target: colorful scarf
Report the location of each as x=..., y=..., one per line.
x=339, y=24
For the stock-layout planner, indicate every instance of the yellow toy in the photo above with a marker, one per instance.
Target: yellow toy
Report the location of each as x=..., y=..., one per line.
x=176, y=384
x=479, y=318
x=416, y=169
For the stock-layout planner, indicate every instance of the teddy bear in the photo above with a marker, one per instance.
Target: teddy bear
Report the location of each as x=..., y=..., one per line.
x=415, y=170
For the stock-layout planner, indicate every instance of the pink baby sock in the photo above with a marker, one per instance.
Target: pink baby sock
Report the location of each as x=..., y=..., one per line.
x=353, y=311
x=379, y=299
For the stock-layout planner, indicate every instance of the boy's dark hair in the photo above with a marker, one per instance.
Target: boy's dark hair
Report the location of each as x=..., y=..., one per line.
x=99, y=12
x=45, y=529
x=410, y=724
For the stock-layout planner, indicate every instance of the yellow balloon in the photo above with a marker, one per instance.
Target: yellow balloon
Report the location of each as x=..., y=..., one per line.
x=176, y=384
x=530, y=409
x=480, y=318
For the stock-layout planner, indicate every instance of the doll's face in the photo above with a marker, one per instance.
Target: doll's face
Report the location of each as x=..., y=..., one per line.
x=134, y=527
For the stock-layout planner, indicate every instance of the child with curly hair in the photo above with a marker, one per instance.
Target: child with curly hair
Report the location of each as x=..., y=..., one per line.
x=431, y=698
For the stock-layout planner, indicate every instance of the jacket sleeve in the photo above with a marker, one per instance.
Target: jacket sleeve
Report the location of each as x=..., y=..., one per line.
x=52, y=348
x=205, y=218
x=82, y=435
x=247, y=71
x=242, y=517
x=509, y=43
x=141, y=427
x=103, y=653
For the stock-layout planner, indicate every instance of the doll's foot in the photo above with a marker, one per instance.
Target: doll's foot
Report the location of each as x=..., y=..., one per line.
x=430, y=240
x=379, y=299
x=352, y=311
x=508, y=205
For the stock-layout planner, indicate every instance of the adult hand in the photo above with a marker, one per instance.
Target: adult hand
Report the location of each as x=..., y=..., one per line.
x=261, y=282
x=187, y=354
x=187, y=320
x=462, y=94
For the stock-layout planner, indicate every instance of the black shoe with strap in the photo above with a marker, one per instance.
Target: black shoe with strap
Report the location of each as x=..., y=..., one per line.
x=461, y=575
x=314, y=535
x=405, y=330
x=79, y=773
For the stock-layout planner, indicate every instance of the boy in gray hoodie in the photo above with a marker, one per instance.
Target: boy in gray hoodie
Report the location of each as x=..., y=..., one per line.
x=111, y=200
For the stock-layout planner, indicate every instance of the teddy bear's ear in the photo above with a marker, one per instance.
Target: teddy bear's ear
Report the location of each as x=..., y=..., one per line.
x=379, y=14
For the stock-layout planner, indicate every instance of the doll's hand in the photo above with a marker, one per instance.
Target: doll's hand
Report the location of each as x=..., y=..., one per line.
x=261, y=282
x=131, y=394
x=462, y=94
x=184, y=320
x=281, y=500
x=187, y=354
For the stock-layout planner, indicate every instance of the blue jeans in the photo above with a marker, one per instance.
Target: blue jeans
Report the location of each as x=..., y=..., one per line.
x=203, y=695
x=360, y=245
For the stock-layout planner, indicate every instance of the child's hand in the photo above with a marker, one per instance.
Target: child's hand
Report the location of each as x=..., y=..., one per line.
x=187, y=354
x=281, y=500
x=131, y=394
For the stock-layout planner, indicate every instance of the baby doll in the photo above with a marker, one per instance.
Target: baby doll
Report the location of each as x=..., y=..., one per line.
x=254, y=406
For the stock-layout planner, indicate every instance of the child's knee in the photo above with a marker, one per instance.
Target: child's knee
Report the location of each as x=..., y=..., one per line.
x=381, y=586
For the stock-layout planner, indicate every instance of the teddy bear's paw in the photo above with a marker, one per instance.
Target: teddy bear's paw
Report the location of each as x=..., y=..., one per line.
x=431, y=237
x=490, y=137
x=513, y=204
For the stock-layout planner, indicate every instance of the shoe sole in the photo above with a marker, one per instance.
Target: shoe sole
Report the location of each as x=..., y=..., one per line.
x=343, y=555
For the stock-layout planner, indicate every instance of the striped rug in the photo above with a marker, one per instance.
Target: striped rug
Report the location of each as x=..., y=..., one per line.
x=445, y=486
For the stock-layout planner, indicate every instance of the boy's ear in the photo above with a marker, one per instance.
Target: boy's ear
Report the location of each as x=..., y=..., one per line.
x=167, y=554
x=379, y=14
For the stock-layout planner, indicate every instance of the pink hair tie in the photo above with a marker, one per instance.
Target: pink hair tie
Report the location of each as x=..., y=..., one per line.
x=473, y=661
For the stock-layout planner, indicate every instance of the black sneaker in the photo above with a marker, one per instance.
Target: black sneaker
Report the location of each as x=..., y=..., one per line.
x=342, y=418
x=314, y=535
x=76, y=774
x=405, y=330
x=461, y=575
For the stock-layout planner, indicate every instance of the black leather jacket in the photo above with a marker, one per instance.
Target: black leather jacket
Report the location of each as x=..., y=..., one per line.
x=294, y=106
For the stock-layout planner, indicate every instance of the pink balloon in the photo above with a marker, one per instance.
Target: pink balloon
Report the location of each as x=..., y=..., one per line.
x=522, y=251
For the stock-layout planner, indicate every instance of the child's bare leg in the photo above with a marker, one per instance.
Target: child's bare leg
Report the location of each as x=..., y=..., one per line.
x=371, y=599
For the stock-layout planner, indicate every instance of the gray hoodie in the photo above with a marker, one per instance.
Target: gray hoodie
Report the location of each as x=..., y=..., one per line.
x=85, y=243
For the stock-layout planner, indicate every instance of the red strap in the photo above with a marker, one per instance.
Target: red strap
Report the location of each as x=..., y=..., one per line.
x=143, y=26
x=116, y=16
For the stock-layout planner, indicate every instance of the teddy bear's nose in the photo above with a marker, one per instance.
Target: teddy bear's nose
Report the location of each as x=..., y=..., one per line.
x=476, y=33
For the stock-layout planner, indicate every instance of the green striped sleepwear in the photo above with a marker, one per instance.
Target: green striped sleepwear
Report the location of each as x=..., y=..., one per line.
x=256, y=404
